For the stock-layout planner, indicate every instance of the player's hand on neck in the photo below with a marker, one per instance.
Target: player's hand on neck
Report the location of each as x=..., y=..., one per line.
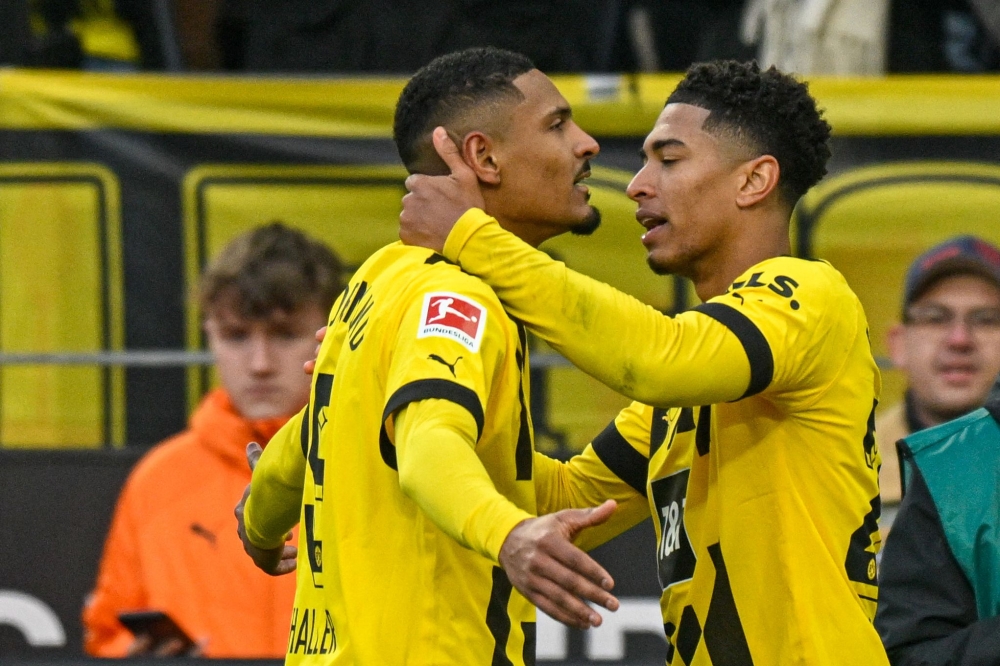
x=434, y=203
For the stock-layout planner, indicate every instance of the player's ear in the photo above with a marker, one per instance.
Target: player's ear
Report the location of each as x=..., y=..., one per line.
x=758, y=178
x=478, y=151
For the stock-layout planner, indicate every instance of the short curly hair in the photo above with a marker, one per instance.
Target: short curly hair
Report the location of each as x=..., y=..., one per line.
x=449, y=86
x=768, y=111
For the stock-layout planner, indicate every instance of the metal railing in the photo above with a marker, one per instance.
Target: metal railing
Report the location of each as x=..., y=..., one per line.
x=169, y=358
x=172, y=358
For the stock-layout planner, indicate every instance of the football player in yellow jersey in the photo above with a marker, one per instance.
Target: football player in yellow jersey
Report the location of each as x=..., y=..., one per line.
x=758, y=461
x=414, y=460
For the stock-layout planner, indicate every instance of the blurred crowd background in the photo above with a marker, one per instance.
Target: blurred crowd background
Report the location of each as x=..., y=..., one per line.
x=849, y=37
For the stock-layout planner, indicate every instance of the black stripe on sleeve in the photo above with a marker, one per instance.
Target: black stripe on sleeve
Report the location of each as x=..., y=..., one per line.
x=618, y=455
x=754, y=344
x=437, y=259
x=424, y=389
x=304, y=432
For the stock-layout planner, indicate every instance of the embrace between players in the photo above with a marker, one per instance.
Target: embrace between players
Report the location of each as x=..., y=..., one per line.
x=430, y=529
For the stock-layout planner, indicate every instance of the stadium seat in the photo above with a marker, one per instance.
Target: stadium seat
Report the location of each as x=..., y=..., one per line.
x=871, y=222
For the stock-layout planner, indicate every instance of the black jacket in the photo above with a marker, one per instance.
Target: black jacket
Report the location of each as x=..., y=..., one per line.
x=927, y=611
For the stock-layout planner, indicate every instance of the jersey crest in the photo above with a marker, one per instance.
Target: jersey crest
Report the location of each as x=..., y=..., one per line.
x=448, y=315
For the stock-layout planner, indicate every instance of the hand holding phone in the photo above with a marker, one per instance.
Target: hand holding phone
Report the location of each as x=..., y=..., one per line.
x=156, y=634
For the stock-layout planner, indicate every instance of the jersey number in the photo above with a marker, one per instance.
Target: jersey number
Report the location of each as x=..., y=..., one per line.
x=320, y=402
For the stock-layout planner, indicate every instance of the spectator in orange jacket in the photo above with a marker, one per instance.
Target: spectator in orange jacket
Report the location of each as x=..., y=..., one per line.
x=172, y=546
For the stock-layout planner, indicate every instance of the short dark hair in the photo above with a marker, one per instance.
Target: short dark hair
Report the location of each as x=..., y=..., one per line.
x=769, y=111
x=271, y=268
x=450, y=85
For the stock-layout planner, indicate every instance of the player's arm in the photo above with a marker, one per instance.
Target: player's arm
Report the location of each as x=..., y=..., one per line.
x=272, y=502
x=621, y=341
x=733, y=346
x=613, y=466
x=440, y=472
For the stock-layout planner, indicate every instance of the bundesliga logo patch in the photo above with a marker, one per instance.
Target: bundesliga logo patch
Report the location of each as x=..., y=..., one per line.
x=447, y=315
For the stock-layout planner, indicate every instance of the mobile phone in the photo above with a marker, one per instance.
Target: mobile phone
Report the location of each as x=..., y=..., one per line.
x=157, y=624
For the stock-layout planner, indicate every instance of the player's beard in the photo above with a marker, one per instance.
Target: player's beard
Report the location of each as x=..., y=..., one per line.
x=589, y=225
x=657, y=267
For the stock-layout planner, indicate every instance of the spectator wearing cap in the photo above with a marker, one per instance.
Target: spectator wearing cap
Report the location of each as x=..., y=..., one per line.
x=947, y=344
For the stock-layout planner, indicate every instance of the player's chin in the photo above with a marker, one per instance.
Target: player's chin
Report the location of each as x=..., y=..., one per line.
x=590, y=223
x=659, y=265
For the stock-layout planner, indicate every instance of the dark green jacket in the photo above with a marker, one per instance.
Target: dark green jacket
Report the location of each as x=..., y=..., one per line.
x=940, y=573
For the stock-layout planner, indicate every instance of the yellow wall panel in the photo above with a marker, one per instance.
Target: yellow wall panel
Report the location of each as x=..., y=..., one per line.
x=59, y=289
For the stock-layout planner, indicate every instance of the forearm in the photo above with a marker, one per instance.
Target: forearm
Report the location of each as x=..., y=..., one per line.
x=583, y=482
x=435, y=439
x=275, y=500
x=624, y=343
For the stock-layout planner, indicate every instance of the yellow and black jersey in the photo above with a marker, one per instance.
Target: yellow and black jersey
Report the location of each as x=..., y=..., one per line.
x=759, y=461
x=379, y=580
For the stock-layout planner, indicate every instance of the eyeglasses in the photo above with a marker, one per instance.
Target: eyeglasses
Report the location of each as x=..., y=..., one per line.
x=980, y=320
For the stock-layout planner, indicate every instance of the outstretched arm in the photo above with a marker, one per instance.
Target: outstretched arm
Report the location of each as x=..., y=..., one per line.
x=277, y=560
x=615, y=465
x=537, y=553
x=272, y=502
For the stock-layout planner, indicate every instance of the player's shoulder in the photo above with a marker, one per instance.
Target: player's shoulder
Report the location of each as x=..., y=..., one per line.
x=806, y=284
x=438, y=274
x=815, y=274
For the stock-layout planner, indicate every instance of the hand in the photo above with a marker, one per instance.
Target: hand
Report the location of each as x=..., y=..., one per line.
x=145, y=645
x=544, y=565
x=273, y=561
x=435, y=203
x=310, y=365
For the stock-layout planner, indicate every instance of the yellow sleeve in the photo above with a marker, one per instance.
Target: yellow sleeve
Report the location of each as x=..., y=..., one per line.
x=613, y=466
x=275, y=500
x=440, y=472
x=771, y=331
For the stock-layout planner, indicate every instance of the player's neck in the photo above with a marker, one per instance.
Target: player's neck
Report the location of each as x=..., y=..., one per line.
x=533, y=234
x=755, y=244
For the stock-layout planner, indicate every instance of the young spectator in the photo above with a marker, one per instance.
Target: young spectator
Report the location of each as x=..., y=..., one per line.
x=171, y=546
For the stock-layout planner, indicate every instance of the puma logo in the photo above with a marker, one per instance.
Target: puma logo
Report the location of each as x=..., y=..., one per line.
x=450, y=366
x=203, y=532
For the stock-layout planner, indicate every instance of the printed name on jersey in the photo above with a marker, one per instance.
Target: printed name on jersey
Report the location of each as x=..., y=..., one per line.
x=352, y=308
x=312, y=632
x=675, y=558
x=782, y=285
x=452, y=316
